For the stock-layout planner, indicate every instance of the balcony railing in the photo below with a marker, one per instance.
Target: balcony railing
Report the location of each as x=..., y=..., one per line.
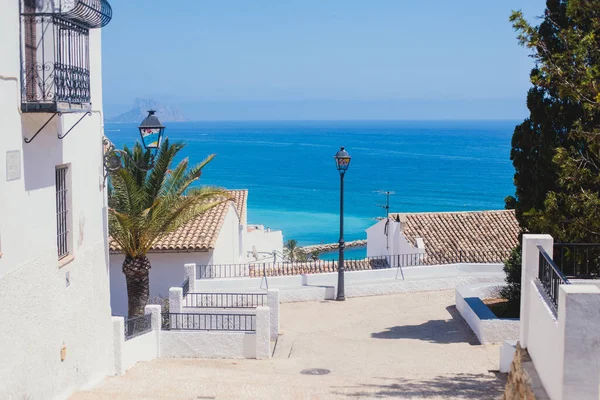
x=55, y=53
x=550, y=276
x=578, y=260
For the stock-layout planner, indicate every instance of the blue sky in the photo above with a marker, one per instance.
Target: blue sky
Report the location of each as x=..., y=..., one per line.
x=340, y=59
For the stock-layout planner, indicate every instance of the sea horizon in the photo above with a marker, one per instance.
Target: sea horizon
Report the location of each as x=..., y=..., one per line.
x=288, y=168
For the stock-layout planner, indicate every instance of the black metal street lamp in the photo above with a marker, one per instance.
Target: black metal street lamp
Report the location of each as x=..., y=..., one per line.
x=342, y=161
x=151, y=132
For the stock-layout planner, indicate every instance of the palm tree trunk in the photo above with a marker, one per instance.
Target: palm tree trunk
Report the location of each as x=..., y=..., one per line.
x=136, y=272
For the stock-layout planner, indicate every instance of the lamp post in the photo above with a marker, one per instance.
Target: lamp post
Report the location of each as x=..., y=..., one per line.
x=151, y=132
x=342, y=161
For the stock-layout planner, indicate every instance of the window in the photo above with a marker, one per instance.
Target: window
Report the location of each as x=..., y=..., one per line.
x=62, y=212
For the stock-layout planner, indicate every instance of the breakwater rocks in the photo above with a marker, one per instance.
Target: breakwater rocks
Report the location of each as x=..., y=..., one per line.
x=328, y=247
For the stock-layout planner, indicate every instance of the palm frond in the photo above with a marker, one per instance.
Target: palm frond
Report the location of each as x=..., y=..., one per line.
x=146, y=206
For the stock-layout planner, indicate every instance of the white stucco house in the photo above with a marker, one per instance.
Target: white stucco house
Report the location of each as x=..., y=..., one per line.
x=219, y=236
x=444, y=237
x=56, y=331
x=263, y=243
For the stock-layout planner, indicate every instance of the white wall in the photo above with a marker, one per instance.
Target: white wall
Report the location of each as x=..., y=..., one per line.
x=144, y=347
x=485, y=325
x=208, y=344
x=563, y=344
x=215, y=344
x=378, y=244
x=394, y=243
x=166, y=272
x=545, y=344
x=264, y=242
x=140, y=348
x=227, y=246
x=45, y=312
x=311, y=287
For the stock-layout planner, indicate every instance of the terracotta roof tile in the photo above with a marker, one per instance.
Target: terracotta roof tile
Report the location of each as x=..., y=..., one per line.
x=474, y=236
x=201, y=233
x=240, y=199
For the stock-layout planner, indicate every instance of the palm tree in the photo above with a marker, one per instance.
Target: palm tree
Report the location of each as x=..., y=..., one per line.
x=293, y=252
x=315, y=255
x=144, y=206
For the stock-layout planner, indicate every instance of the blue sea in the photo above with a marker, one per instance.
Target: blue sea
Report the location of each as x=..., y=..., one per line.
x=293, y=184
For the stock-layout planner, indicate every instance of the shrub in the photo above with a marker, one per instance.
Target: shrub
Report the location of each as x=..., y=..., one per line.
x=512, y=290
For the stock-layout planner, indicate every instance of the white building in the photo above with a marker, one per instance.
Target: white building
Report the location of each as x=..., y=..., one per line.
x=219, y=236
x=262, y=242
x=444, y=237
x=56, y=331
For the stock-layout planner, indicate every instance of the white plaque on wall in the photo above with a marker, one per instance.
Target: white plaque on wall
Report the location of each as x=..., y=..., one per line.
x=13, y=165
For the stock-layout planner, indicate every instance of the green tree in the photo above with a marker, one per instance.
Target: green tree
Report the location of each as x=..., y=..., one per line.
x=144, y=206
x=315, y=255
x=555, y=151
x=293, y=252
x=512, y=290
x=566, y=48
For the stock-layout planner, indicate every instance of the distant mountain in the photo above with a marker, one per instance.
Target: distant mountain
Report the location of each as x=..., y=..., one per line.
x=140, y=110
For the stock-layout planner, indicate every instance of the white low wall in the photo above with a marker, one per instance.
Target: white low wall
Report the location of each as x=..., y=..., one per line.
x=198, y=344
x=140, y=348
x=176, y=301
x=563, y=344
x=192, y=344
x=145, y=347
x=487, y=327
x=545, y=346
x=214, y=344
x=507, y=355
x=323, y=286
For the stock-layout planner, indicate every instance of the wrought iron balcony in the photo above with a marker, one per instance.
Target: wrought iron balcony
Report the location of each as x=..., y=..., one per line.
x=55, y=54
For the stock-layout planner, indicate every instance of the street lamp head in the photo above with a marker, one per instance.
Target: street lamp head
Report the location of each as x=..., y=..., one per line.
x=151, y=131
x=342, y=160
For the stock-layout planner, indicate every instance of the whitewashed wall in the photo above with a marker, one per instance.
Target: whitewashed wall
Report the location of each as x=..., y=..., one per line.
x=380, y=244
x=45, y=311
x=208, y=344
x=215, y=344
x=227, y=248
x=144, y=347
x=264, y=241
x=485, y=325
x=564, y=346
x=313, y=287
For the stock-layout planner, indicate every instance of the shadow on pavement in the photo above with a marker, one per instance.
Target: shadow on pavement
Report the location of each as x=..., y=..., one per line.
x=453, y=330
x=459, y=386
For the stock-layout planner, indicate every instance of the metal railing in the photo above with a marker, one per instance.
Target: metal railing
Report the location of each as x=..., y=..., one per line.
x=208, y=322
x=137, y=326
x=550, y=276
x=287, y=268
x=224, y=300
x=578, y=260
x=268, y=269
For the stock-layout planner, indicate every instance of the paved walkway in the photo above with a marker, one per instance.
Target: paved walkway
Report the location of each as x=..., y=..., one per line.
x=405, y=346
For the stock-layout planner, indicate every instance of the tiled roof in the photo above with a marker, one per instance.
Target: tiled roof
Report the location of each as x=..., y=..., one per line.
x=201, y=233
x=474, y=236
x=240, y=199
